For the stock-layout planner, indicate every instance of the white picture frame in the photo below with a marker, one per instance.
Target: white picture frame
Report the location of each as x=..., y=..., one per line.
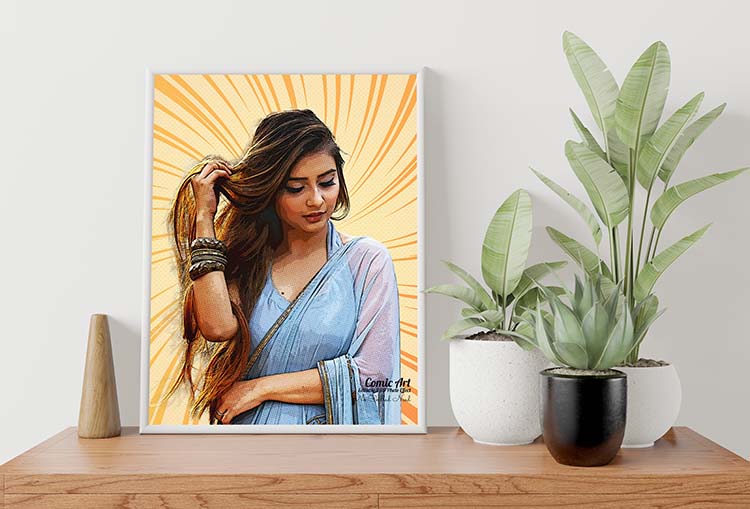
x=148, y=427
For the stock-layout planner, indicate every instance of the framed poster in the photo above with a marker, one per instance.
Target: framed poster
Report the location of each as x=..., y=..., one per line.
x=283, y=264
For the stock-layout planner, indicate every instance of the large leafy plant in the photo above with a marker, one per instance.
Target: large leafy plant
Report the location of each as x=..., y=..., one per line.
x=594, y=329
x=511, y=285
x=635, y=150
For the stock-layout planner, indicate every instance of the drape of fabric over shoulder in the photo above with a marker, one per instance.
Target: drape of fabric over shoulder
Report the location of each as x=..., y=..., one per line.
x=360, y=386
x=345, y=324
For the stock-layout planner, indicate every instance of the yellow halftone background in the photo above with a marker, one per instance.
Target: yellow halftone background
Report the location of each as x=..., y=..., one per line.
x=374, y=120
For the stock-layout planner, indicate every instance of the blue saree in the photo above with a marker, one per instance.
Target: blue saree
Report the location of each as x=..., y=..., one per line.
x=345, y=323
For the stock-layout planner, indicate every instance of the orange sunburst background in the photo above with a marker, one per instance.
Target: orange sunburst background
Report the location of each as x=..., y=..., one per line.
x=374, y=120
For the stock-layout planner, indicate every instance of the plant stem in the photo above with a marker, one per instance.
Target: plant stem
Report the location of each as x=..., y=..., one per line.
x=643, y=230
x=633, y=357
x=612, y=259
x=658, y=235
x=648, y=249
x=629, y=238
x=506, y=319
x=632, y=275
x=616, y=261
x=614, y=251
x=656, y=244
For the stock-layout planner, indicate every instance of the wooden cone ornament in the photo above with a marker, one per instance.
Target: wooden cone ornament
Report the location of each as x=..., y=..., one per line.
x=99, y=415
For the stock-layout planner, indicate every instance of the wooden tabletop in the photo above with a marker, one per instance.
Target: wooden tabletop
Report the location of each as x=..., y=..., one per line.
x=371, y=470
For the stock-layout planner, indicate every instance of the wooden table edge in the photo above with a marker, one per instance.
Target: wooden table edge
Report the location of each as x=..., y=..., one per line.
x=597, y=481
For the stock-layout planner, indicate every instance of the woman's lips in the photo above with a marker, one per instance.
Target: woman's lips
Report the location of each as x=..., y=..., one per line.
x=314, y=218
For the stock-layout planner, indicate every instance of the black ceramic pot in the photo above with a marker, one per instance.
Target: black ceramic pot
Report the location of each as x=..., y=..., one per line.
x=583, y=417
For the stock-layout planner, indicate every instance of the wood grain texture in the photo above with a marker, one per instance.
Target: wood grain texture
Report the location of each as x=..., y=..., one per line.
x=376, y=483
x=572, y=501
x=445, y=466
x=197, y=501
x=99, y=413
x=441, y=451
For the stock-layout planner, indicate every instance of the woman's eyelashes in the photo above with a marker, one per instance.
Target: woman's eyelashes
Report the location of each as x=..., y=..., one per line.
x=295, y=190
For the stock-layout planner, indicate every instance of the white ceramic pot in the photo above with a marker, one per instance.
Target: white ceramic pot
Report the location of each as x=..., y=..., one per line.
x=654, y=399
x=495, y=388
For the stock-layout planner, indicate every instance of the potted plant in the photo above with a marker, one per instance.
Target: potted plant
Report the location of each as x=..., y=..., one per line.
x=633, y=150
x=494, y=384
x=584, y=400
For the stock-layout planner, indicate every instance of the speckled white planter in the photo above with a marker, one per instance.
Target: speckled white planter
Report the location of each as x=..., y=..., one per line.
x=495, y=390
x=654, y=399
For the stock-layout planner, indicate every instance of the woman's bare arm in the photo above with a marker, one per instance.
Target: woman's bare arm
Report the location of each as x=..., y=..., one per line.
x=211, y=296
x=301, y=387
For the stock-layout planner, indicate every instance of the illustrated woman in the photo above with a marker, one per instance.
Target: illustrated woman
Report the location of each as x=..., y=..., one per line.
x=295, y=322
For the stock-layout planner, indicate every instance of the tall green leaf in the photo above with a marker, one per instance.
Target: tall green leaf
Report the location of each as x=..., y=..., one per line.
x=577, y=205
x=542, y=334
x=523, y=336
x=689, y=136
x=461, y=293
x=657, y=148
x=643, y=94
x=586, y=258
x=506, y=244
x=618, y=341
x=643, y=327
x=533, y=274
x=596, y=325
x=619, y=154
x=467, y=312
x=530, y=299
x=493, y=318
x=473, y=284
x=593, y=77
x=587, y=137
x=603, y=185
x=674, y=196
x=572, y=354
x=656, y=267
x=462, y=325
x=644, y=312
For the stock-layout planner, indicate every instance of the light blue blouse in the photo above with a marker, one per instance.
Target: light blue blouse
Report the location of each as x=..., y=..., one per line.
x=346, y=325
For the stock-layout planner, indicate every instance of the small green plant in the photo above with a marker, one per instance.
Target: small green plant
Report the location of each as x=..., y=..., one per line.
x=511, y=284
x=595, y=330
x=632, y=150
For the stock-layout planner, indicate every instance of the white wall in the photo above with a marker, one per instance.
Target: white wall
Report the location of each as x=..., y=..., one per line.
x=497, y=96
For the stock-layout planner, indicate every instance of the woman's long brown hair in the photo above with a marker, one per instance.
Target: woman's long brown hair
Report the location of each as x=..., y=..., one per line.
x=251, y=230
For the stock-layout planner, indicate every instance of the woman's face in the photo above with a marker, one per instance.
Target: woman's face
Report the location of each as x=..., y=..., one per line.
x=307, y=200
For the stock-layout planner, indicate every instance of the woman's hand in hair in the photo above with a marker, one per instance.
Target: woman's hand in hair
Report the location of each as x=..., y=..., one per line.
x=244, y=395
x=204, y=188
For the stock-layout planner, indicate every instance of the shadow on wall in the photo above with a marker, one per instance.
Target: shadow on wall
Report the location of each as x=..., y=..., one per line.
x=126, y=351
x=436, y=240
x=708, y=290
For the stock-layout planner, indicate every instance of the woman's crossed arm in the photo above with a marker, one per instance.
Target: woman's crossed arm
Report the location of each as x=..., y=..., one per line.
x=301, y=387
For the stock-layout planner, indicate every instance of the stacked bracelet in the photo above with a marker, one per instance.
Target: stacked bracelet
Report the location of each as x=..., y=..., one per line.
x=206, y=255
x=202, y=268
x=208, y=243
x=202, y=255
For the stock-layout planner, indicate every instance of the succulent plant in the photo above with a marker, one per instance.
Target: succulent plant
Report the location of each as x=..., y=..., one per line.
x=594, y=330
